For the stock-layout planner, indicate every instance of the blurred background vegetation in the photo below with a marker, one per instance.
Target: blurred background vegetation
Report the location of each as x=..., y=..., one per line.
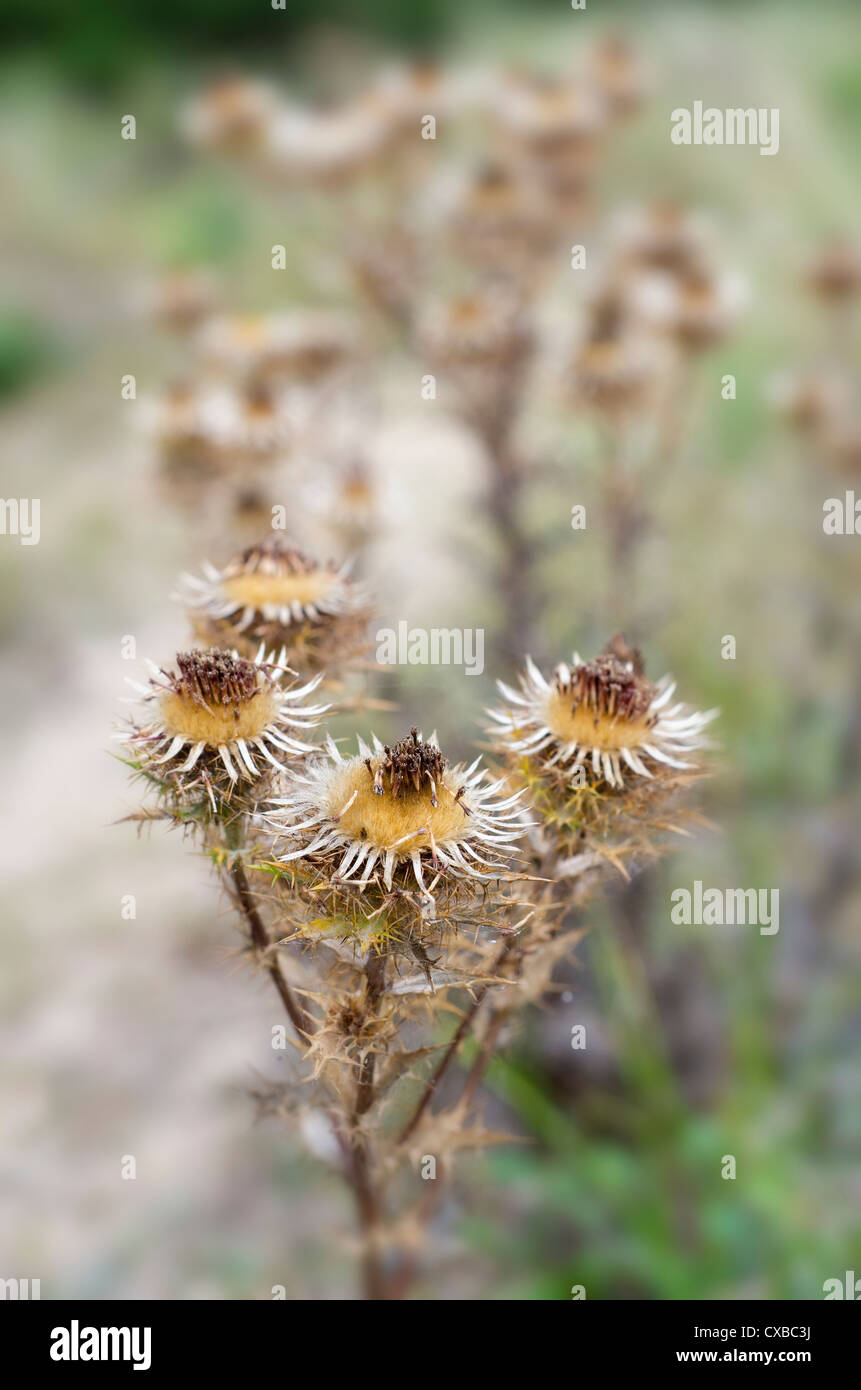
x=701, y=1043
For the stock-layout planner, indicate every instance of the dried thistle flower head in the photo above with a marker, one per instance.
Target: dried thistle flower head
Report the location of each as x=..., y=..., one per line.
x=327, y=145
x=182, y=299
x=614, y=366
x=835, y=273
x=661, y=236
x=842, y=444
x=214, y=438
x=232, y=116
x=302, y=345
x=189, y=426
x=616, y=72
x=263, y=426
x=554, y=120
x=602, y=716
x=206, y=721
x=273, y=593
x=393, y=814
x=809, y=401
x=484, y=329
x=702, y=306
x=250, y=506
x=356, y=490
x=406, y=89
x=483, y=341
x=503, y=221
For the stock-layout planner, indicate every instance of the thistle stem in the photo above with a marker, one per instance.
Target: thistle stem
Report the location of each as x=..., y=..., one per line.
x=368, y=1212
x=452, y=1050
x=260, y=939
x=367, y=1200
x=482, y=1058
x=375, y=974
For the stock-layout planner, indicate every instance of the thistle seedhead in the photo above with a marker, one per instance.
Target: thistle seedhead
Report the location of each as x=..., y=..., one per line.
x=273, y=593
x=409, y=764
x=214, y=727
x=600, y=749
x=395, y=836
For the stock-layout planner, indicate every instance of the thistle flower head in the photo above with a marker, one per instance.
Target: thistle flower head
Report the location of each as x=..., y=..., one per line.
x=218, y=719
x=503, y=221
x=811, y=400
x=602, y=716
x=704, y=306
x=616, y=72
x=614, y=365
x=326, y=145
x=189, y=427
x=181, y=299
x=271, y=592
x=555, y=118
x=487, y=328
x=835, y=272
x=661, y=236
x=302, y=345
x=842, y=444
x=393, y=814
x=404, y=90
x=232, y=116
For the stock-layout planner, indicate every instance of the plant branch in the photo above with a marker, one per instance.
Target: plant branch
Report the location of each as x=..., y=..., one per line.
x=260, y=939
x=453, y=1048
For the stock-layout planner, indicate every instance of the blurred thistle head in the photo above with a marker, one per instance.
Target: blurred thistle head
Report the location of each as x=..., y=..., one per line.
x=302, y=345
x=189, y=426
x=663, y=235
x=207, y=433
x=842, y=444
x=329, y=144
x=232, y=115
x=485, y=328
x=356, y=488
x=834, y=274
x=345, y=501
x=250, y=513
x=182, y=299
x=503, y=221
x=809, y=401
x=392, y=815
x=615, y=70
x=552, y=119
x=704, y=307
x=407, y=91
x=273, y=593
x=614, y=365
x=217, y=720
x=263, y=427
x=187, y=416
x=602, y=716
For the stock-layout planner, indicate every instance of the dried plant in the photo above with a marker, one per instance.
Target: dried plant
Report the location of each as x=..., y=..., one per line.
x=389, y=892
x=406, y=909
x=271, y=593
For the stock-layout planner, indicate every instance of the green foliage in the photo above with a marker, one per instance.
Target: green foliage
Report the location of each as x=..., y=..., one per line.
x=654, y=1219
x=100, y=43
x=27, y=352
